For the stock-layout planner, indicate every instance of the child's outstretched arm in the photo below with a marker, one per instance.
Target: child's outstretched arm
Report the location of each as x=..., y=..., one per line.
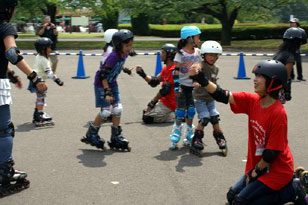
x=216, y=92
x=151, y=80
x=52, y=76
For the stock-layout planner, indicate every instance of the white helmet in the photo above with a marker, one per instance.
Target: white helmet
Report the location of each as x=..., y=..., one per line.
x=211, y=47
x=108, y=34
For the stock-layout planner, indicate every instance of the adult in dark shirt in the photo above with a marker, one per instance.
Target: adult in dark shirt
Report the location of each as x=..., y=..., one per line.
x=10, y=179
x=49, y=30
x=292, y=39
x=294, y=22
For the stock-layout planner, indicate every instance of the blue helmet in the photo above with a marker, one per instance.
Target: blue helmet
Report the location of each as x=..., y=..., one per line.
x=188, y=31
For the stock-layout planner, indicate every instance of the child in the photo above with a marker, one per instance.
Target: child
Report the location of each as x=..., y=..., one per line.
x=43, y=69
x=11, y=180
x=187, y=55
x=292, y=39
x=205, y=104
x=107, y=94
x=162, y=111
x=269, y=167
x=108, y=46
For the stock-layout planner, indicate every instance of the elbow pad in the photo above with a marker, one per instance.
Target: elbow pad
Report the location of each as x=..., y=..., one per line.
x=13, y=55
x=153, y=82
x=103, y=74
x=165, y=90
x=270, y=155
x=221, y=95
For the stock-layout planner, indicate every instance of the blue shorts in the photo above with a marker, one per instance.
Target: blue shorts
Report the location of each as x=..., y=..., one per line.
x=33, y=89
x=100, y=100
x=206, y=109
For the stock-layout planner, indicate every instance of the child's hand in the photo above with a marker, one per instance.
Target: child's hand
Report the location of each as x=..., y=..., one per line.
x=194, y=69
x=109, y=99
x=196, y=85
x=59, y=82
x=140, y=71
x=128, y=71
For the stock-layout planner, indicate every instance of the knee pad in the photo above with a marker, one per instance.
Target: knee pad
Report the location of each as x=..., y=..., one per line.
x=147, y=119
x=105, y=113
x=240, y=201
x=117, y=110
x=179, y=115
x=214, y=119
x=204, y=121
x=40, y=100
x=231, y=195
x=191, y=111
x=9, y=130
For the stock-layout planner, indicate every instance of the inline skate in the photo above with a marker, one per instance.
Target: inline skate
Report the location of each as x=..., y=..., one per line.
x=41, y=118
x=188, y=133
x=175, y=136
x=117, y=141
x=221, y=142
x=197, y=144
x=93, y=138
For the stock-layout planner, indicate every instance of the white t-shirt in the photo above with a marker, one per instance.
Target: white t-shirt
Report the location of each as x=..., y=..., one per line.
x=41, y=65
x=186, y=60
x=106, y=54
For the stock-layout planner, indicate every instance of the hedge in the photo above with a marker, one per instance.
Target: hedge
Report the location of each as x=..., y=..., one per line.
x=239, y=32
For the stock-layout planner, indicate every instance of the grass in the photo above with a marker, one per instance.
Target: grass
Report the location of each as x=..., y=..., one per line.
x=245, y=44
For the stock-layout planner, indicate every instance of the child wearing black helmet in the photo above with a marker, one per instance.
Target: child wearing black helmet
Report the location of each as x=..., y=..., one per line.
x=11, y=180
x=43, y=69
x=107, y=96
x=268, y=177
x=293, y=38
x=161, y=108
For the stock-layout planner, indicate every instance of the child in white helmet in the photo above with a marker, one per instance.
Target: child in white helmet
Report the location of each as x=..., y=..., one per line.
x=205, y=104
x=187, y=55
x=108, y=46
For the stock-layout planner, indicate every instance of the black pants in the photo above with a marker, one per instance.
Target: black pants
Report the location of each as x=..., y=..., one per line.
x=299, y=68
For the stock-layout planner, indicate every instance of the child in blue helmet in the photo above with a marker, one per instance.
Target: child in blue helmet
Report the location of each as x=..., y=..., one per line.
x=187, y=55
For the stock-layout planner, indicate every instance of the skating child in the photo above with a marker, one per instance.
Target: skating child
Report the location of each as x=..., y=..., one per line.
x=11, y=180
x=205, y=104
x=108, y=46
x=107, y=94
x=268, y=177
x=187, y=55
x=43, y=69
x=161, y=107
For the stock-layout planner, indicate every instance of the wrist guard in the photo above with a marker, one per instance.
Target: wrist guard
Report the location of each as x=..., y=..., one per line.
x=176, y=81
x=142, y=73
x=13, y=78
x=128, y=71
x=132, y=53
x=152, y=104
x=59, y=82
x=258, y=171
x=153, y=82
x=108, y=92
x=220, y=95
x=201, y=79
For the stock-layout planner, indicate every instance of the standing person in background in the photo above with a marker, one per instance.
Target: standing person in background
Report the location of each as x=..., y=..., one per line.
x=294, y=22
x=49, y=30
x=11, y=180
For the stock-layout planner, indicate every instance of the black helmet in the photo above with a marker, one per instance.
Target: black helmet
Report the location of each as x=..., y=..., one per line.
x=293, y=33
x=170, y=50
x=122, y=36
x=7, y=9
x=274, y=70
x=42, y=43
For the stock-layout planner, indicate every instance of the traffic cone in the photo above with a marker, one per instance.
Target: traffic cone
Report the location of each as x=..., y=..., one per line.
x=80, y=68
x=241, y=74
x=158, y=64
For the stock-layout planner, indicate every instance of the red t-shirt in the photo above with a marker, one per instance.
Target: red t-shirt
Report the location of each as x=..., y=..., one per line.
x=267, y=129
x=168, y=100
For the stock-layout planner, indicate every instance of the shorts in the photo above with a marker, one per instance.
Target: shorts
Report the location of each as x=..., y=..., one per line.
x=100, y=100
x=206, y=109
x=33, y=89
x=185, y=99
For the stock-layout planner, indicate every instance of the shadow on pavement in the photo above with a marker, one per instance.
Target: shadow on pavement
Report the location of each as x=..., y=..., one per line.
x=93, y=158
x=169, y=155
x=28, y=126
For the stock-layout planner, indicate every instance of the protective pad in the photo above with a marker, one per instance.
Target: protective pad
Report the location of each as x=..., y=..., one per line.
x=191, y=111
x=13, y=56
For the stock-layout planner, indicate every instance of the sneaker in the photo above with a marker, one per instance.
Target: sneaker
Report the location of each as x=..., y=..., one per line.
x=301, y=79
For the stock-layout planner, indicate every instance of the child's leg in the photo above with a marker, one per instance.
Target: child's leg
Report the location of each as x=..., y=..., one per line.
x=40, y=101
x=190, y=114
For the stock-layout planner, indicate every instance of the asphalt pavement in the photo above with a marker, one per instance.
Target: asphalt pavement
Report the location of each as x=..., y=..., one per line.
x=62, y=170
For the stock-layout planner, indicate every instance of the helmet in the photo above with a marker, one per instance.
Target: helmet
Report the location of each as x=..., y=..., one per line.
x=42, y=43
x=8, y=3
x=121, y=36
x=188, y=31
x=274, y=70
x=211, y=47
x=170, y=50
x=108, y=34
x=293, y=33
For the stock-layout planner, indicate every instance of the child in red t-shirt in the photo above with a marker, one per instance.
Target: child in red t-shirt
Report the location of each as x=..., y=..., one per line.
x=269, y=168
x=161, y=107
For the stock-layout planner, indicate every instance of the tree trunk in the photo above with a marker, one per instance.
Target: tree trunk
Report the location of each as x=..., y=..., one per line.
x=51, y=11
x=226, y=33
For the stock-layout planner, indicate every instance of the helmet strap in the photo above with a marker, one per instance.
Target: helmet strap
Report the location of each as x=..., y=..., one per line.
x=192, y=41
x=270, y=89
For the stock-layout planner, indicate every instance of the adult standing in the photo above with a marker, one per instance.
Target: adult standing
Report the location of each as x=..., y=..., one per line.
x=10, y=179
x=49, y=30
x=294, y=22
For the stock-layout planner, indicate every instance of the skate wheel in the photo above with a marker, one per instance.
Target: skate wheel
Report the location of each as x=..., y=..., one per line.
x=129, y=149
x=224, y=152
x=298, y=171
x=304, y=178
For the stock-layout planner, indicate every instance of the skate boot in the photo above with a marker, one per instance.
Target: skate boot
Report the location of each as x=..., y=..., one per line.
x=93, y=138
x=221, y=142
x=117, y=141
x=299, y=192
x=197, y=144
x=12, y=180
x=188, y=133
x=175, y=136
x=41, y=119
